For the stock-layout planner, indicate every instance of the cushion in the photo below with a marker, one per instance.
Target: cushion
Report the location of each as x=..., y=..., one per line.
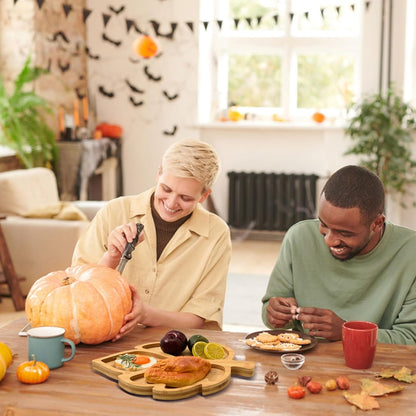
x=59, y=211
x=24, y=190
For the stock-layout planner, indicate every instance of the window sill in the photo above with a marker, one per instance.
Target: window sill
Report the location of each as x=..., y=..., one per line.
x=270, y=125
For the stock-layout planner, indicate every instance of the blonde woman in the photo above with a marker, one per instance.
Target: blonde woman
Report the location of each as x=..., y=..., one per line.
x=178, y=270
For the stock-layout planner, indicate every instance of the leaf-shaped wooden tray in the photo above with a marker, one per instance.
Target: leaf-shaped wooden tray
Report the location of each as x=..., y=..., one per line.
x=133, y=381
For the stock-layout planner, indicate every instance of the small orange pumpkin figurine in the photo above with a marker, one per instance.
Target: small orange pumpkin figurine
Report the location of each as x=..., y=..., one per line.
x=145, y=47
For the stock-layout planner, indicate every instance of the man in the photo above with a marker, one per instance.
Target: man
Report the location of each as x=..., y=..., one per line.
x=178, y=271
x=350, y=264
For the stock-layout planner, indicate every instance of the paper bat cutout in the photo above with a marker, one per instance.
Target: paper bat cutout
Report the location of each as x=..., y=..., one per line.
x=170, y=97
x=79, y=95
x=133, y=88
x=170, y=133
x=156, y=26
x=57, y=35
x=150, y=76
x=62, y=67
x=114, y=42
x=108, y=94
x=136, y=103
x=90, y=55
x=134, y=61
x=117, y=11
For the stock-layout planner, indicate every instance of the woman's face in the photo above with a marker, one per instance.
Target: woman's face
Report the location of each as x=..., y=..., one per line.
x=177, y=197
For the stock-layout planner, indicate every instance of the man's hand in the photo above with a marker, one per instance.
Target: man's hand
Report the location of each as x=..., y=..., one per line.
x=280, y=311
x=320, y=322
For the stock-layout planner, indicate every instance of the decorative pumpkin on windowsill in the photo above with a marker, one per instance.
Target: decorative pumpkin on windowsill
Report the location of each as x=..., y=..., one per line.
x=89, y=301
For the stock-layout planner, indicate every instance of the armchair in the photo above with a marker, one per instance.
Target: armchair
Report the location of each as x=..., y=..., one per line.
x=40, y=230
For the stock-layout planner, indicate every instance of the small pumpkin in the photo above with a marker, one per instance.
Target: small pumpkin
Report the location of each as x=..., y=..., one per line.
x=32, y=372
x=6, y=353
x=318, y=117
x=113, y=131
x=3, y=367
x=89, y=301
x=145, y=46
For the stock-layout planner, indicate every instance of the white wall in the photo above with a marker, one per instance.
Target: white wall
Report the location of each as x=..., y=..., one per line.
x=277, y=148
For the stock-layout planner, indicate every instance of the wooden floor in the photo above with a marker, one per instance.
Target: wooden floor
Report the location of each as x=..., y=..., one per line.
x=248, y=257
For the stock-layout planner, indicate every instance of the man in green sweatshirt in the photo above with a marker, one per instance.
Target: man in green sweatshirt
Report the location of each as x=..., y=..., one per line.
x=349, y=264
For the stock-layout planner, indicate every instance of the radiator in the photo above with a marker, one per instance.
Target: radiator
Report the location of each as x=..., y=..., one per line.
x=270, y=201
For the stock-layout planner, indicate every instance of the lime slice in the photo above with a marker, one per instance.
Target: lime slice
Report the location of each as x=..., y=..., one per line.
x=214, y=351
x=198, y=349
x=195, y=338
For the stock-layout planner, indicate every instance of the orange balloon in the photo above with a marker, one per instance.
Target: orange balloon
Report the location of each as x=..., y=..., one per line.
x=145, y=47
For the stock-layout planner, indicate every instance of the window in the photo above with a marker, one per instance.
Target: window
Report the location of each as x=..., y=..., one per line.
x=281, y=58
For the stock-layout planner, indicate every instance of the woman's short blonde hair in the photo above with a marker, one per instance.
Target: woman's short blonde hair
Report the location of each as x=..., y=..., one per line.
x=190, y=158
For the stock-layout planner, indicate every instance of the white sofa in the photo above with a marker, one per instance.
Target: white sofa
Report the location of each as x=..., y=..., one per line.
x=40, y=230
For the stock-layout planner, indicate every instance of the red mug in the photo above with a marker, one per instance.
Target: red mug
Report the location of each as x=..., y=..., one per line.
x=359, y=340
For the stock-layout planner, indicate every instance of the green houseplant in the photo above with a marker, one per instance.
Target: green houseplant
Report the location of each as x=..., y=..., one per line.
x=23, y=127
x=380, y=127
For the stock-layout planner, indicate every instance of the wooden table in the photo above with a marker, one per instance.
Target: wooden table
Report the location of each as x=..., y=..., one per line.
x=76, y=389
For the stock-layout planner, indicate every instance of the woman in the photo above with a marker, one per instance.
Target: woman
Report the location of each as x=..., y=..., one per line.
x=178, y=271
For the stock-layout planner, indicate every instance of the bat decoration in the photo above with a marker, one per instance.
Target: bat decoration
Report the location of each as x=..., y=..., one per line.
x=117, y=11
x=133, y=88
x=156, y=26
x=90, y=55
x=170, y=133
x=79, y=95
x=134, y=61
x=114, y=42
x=170, y=97
x=108, y=94
x=57, y=35
x=150, y=76
x=62, y=67
x=136, y=103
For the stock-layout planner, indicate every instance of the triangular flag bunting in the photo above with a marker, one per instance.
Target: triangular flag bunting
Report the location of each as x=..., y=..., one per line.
x=190, y=25
x=367, y=5
x=248, y=20
x=338, y=9
x=15, y=1
x=291, y=16
x=219, y=24
x=276, y=19
x=40, y=3
x=67, y=9
x=236, y=22
x=259, y=19
x=106, y=18
x=205, y=25
x=322, y=12
x=307, y=15
x=85, y=14
x=129, y=24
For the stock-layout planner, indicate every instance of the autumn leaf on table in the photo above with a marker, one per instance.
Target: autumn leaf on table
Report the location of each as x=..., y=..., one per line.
x=375, y=388
x=404, y=374
x=362, y=400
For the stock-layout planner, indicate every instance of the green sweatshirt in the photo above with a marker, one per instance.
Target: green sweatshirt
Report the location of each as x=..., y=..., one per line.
x=379, y=286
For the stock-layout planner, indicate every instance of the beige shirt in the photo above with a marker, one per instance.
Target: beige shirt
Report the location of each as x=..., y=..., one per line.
x=191, y=273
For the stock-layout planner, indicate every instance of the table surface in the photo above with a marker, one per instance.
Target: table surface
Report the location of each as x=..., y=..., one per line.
x=75, y=388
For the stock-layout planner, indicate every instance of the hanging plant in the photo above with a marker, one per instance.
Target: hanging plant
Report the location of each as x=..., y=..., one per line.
x=381, y=128
x=23, y=127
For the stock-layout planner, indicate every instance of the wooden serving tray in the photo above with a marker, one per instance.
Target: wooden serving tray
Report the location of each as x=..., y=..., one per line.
x=133, y=381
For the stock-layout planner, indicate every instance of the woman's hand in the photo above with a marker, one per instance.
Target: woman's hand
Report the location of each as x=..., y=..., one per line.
x=117, y=241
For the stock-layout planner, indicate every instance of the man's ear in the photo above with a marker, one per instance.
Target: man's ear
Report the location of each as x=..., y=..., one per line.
x=379, y=222
x=205, y=196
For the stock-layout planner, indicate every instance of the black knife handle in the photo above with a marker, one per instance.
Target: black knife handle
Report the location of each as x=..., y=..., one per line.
x=131, y=246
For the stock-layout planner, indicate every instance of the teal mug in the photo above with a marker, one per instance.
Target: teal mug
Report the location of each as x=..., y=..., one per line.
x=47, y=343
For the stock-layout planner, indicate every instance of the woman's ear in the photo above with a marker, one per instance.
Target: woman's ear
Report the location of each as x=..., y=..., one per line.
x=205, y=196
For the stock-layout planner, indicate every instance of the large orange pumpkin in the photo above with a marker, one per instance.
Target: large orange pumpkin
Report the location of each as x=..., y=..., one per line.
x=89, y=301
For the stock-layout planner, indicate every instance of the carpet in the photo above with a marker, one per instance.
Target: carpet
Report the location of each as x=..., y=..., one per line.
x=242, y=307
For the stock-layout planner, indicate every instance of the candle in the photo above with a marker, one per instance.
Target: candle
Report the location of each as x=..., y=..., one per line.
x=85, y=108
x=61, y=119
x=76, y=113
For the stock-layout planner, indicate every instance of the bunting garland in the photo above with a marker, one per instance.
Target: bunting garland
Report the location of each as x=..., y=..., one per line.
x=253, y=22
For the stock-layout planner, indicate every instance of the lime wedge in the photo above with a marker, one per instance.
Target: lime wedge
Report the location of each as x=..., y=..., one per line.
x=198, y=349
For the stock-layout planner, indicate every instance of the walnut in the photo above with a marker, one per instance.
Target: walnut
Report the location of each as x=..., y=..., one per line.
x=271, y=377
x=304, y=380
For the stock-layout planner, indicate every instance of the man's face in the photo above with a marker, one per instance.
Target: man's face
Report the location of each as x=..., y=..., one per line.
x=345, y=232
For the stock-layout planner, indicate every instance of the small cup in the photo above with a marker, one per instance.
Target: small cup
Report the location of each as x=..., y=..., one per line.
x=47, y=343
x=359, y=340
x=292, y=361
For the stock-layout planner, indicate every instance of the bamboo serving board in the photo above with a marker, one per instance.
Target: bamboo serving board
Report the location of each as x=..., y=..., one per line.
x=133, y=381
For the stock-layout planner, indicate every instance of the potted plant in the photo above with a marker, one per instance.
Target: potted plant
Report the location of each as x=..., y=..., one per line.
x=381, y=129
x=23, y=126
